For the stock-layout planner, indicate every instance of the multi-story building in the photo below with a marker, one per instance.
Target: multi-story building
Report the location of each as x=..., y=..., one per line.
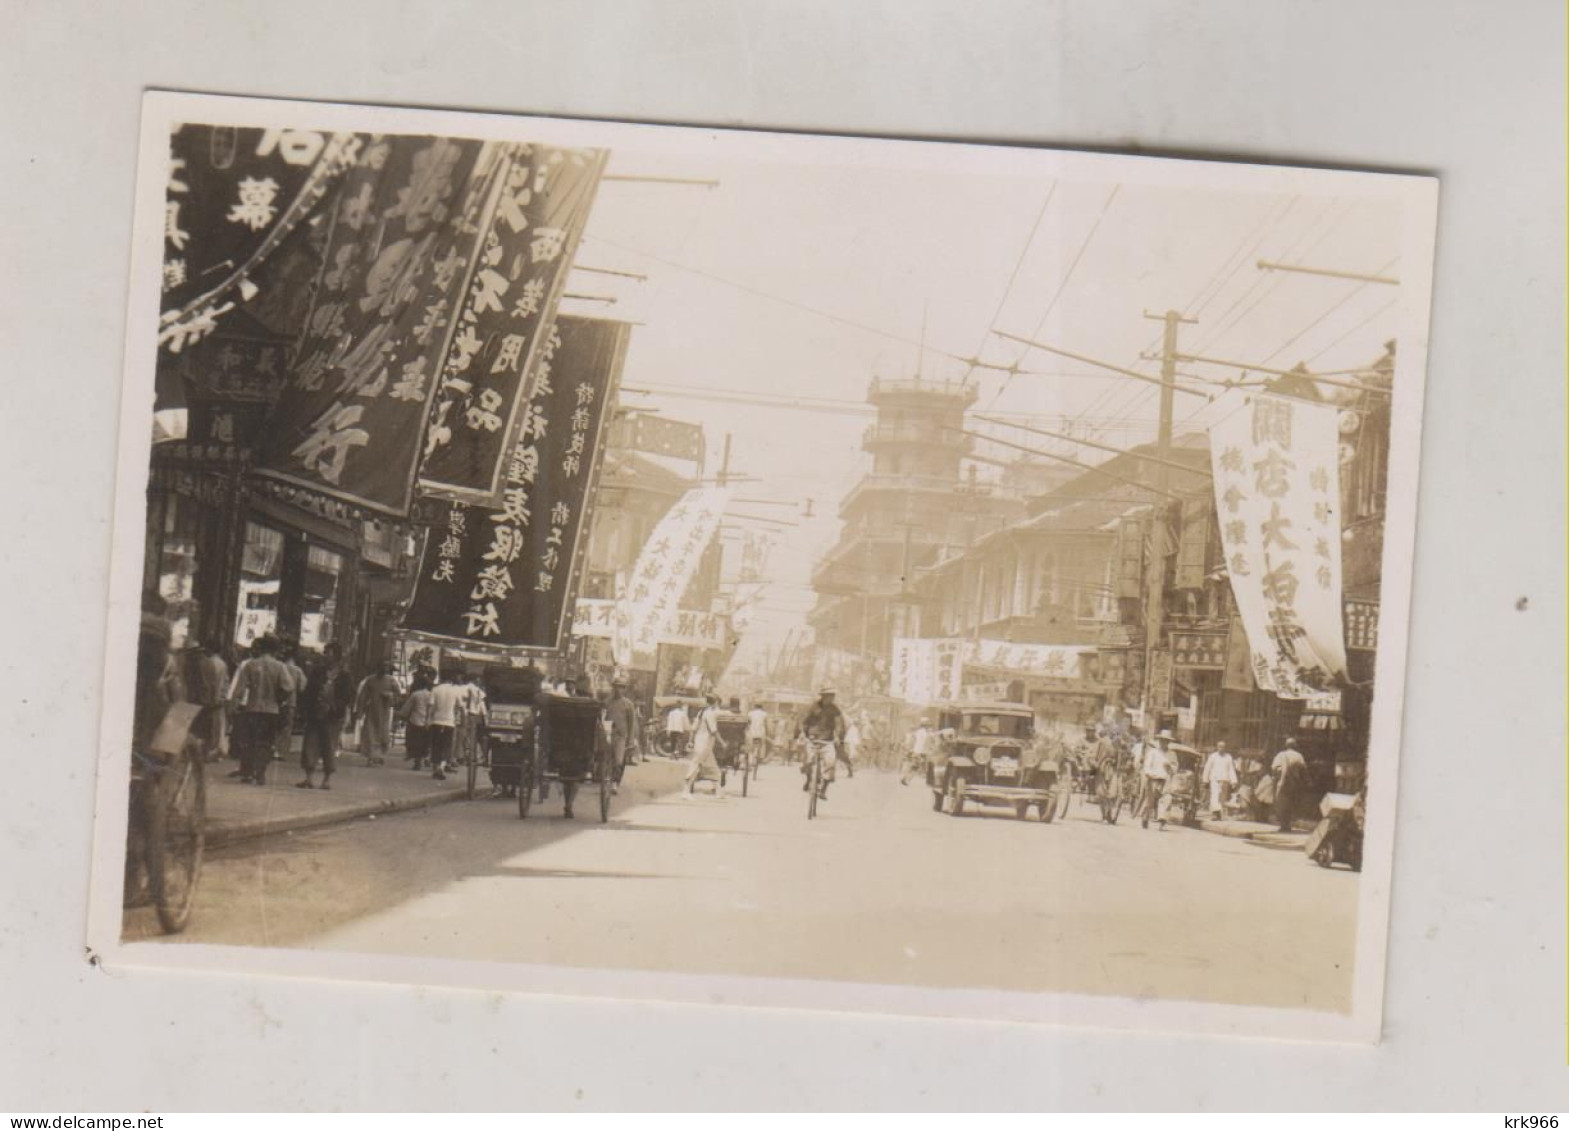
x=913, y=505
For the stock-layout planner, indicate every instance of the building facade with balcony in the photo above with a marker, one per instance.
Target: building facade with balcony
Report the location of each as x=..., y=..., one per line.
x=914, y=505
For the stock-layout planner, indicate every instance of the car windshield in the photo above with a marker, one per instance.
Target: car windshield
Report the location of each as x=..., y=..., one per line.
x=998, y=726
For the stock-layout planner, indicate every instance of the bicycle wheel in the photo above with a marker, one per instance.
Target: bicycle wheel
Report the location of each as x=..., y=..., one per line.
x=525, y=787
x=746, y=772
x=472, y=758
x=176, y=840
x=814, y=781
x=607, y=777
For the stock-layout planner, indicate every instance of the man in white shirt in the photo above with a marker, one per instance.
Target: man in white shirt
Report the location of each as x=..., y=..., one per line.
x=1220, y=774
x=1157, y=769
x=920, y=750
x=448, y=703
x=705, y=741
x=676, y=727
x=757, y=733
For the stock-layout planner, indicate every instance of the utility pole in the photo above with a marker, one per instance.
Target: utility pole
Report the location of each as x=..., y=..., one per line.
x=1155, y=572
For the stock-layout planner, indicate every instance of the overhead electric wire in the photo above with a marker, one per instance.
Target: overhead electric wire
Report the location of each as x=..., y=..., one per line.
x=1012, y=278
x=760, y=293
x=1347, y=297
x=1380, y=312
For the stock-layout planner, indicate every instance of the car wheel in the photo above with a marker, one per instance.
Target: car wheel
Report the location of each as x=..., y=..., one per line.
x=956, y=786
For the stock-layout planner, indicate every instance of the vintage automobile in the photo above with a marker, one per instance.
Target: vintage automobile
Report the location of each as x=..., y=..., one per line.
x=988, y=754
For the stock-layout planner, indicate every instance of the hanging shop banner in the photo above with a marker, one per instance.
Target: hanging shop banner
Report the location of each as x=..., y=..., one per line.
x=1277, y=492
x=504, y=343
x=233, y=195
x=1060, y=660
x=1159, y=696
x=351, y=417
x=665, y=567
x=1205, y=651
x=928, y=670
x=596, y=618
x=507, y=577
x=1238, y=673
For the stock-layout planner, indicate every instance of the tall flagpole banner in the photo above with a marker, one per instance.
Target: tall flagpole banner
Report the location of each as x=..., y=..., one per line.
x=1277, y=492
x=504, y=341
x=507, y=577
x=233, y=194
x=664, y=569
x=352, y=416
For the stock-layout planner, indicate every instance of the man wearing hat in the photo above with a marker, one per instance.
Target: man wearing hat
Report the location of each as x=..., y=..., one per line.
x=622, y=717
x=1157, y=768
x=825, y=723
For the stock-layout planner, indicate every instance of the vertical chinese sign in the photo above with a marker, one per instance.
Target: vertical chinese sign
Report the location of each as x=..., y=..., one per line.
x=352, y=416
x=923, y=671
x=664, y=569
x=1277, y=492
x=233, y=195
x=507, y=577
x=504, y=338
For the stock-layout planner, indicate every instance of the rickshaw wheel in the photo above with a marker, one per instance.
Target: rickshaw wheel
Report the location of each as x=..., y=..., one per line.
x=473, y=773
x=176, y=839
x=746, y=773
x=525, y=788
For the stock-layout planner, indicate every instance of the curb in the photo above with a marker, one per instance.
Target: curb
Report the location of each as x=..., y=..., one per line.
x=223, y=835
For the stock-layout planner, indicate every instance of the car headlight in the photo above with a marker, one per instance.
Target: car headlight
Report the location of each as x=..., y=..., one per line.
x=983, y=754
x=1031, y=756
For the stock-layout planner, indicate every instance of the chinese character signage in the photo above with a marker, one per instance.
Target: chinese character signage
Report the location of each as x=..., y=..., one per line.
x=925, y=671
x=1362, y=625
x=659, y=436
x=1277, y=494
x=504, y=343
x=352, y=416
x=232, y=196
x=691, y=628
x=1203, y=650
x=506, y=577
x=1059, y=660
x=665, y=567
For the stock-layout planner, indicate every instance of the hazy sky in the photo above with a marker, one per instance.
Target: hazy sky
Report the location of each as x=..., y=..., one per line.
x=729, y=269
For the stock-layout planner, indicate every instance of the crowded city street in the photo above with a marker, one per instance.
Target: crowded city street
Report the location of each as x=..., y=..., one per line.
x=867, y=892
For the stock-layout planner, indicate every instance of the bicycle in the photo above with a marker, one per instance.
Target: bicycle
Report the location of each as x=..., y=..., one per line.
x=817, y=777
x=167, y=836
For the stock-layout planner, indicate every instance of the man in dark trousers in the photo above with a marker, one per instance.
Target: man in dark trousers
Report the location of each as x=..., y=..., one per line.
x=324, y=705
x=623, y=726
x=263, y=693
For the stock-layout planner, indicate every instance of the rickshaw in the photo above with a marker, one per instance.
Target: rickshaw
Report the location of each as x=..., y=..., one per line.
x=511, y=694
x=569, y=747
x=1182, y=792
x=733, y=753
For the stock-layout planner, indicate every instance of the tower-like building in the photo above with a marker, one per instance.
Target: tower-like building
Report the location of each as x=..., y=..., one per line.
x=915, y=501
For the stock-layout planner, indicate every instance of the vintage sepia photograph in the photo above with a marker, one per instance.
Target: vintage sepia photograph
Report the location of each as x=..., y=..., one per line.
x=699, y=565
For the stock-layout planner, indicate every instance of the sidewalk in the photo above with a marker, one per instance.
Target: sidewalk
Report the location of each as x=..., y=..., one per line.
x=1261, y=833
x=238, y=812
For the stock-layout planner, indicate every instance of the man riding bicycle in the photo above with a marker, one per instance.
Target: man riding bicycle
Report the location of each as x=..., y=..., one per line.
x=921, y=742
x=823, y=723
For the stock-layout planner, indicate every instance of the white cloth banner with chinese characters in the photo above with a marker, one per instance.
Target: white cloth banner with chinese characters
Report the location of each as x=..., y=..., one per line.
x=664, y=569
x=1060, y=660
x=1277, y=493
x=926, y=670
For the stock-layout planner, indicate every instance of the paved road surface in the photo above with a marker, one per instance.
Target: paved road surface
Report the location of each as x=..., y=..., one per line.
x=878, y=889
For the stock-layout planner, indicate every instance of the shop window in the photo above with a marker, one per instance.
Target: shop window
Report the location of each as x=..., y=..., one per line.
x=261, y=572
x=321, y=620
x=176, y=567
